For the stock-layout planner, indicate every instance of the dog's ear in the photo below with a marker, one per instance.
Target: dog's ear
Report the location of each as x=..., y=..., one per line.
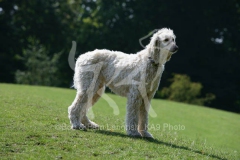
x=155, y=50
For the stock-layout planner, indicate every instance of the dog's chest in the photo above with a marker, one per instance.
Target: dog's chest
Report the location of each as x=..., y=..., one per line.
x=153, y=76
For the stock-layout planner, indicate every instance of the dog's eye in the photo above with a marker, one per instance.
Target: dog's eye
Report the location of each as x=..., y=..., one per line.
x=166, y=40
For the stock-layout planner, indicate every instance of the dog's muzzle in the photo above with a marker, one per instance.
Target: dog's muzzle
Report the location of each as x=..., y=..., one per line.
x=174, y=49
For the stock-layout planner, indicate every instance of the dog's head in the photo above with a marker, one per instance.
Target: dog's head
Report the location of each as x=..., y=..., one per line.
x=162, y=45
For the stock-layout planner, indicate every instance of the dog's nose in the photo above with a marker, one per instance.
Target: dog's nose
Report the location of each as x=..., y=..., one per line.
x=176, y=48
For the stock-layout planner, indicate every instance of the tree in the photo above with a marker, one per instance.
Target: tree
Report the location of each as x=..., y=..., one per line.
x=183, y=90
x=208, y=33
x=40, y=69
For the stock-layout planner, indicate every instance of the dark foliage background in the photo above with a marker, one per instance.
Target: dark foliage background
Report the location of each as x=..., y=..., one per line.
x=208, y=34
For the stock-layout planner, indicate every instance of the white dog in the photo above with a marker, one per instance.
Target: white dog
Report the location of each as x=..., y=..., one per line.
x=135, y=76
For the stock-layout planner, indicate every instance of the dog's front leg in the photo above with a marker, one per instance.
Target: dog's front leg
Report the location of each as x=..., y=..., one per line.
x=143, y=121
x=133, y=104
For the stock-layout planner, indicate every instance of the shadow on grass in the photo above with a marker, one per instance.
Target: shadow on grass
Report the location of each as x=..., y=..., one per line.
x=117, y=134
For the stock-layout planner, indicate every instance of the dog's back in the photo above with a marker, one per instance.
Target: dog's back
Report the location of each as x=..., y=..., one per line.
x=115, y=69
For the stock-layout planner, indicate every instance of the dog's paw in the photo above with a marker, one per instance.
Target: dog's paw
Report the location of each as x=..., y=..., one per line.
x=79, y=127
x=146, y=134
x=92, y=125
x=134, y=134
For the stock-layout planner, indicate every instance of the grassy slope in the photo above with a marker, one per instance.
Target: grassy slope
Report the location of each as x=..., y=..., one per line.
x=34, y=125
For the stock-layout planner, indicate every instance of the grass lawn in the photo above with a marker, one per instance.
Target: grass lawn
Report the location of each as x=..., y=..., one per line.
x=34, y=125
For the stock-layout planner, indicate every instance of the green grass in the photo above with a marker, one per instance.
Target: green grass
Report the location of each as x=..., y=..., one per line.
x=34, y=125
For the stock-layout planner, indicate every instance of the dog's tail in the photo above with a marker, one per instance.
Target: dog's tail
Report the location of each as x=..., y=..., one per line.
x=71, y=56
x=72, y=85
x=72, y=61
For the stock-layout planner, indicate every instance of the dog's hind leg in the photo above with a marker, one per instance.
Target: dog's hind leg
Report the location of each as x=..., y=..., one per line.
x=85, y=79
x=98, y=91
x=133, y=103
x=76, y=109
